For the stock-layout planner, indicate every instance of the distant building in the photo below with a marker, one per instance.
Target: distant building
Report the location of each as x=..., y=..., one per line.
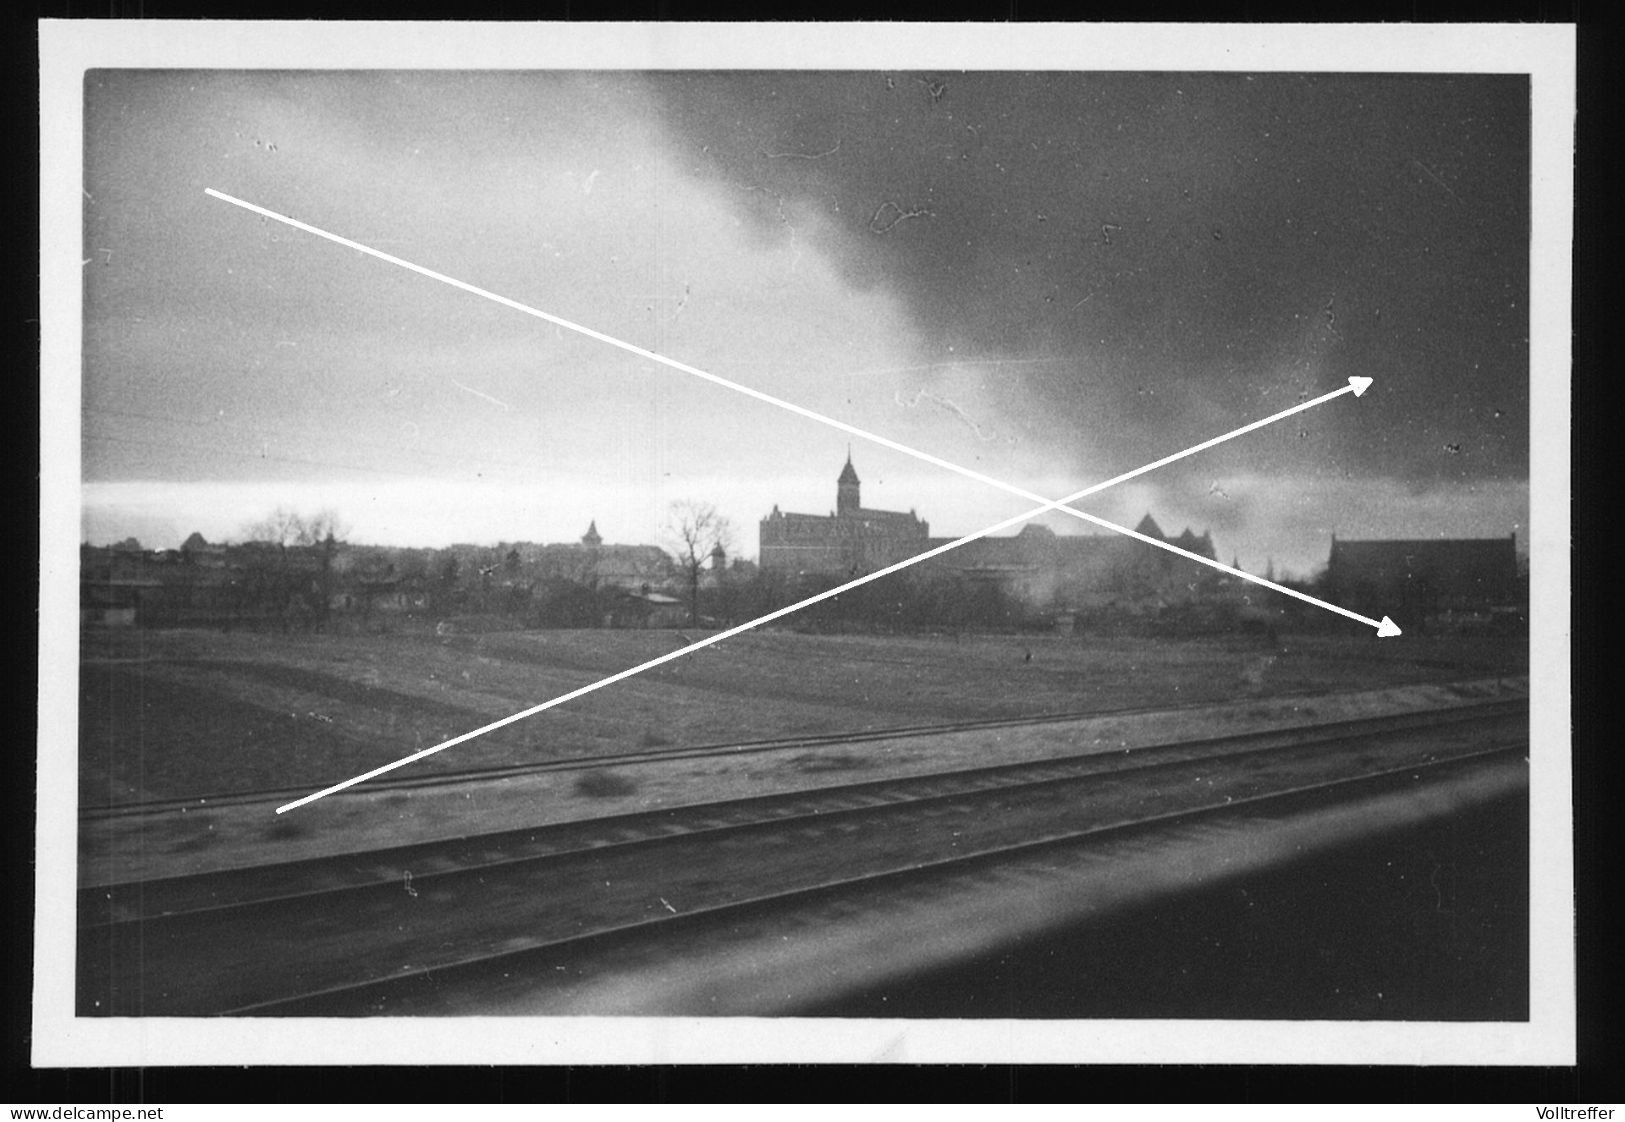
x=590, y=562
x=1037, y=566
x=646, y=609
x=635, y=568
x=715, y=570
x=1050, y=570
x=196, y=550
x=848, y=541
x=1424, y=578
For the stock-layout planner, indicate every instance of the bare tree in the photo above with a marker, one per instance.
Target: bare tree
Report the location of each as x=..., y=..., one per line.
x=696, y=531
x=323, y=527
x=284, y=528
x=281, y=527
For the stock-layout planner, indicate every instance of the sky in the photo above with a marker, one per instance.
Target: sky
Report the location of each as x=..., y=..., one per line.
x=1050, y=278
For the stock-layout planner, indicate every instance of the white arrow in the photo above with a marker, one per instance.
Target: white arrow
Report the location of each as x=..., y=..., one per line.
x=1356, y=386
x=1386, y=627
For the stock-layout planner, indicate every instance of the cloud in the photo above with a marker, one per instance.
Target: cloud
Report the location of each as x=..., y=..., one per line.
x=1183, y=248
x=1049, y=279
x=223, y=346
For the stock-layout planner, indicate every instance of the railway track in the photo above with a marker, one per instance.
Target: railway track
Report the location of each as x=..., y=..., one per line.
x=360, y=934
x=146, y=807
x=801, y=953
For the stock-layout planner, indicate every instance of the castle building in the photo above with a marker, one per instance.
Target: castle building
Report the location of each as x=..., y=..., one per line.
x=849, y=541
x=1037, y=566
x=1043, y=568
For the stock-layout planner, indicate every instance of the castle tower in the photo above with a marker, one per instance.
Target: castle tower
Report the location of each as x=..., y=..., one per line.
x=846, y=489
x=591, y=539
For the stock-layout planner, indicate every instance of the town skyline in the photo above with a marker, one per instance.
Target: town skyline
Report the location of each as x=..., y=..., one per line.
x=1049, y=278
x=742, y=539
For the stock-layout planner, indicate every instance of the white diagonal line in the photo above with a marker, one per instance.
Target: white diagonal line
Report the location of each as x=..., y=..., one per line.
x=1044, y=504
x=670, y=655
x=1058, y=504
x=706, y=642
x=641, y=352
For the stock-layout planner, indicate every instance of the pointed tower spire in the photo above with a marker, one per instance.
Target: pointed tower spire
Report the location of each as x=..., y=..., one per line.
x=846, y=488
x=591, y=539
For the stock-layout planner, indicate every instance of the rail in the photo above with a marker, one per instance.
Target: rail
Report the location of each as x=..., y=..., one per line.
x=350, y=934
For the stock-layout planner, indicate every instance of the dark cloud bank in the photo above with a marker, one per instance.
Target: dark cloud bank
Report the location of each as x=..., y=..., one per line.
x=1192, y=251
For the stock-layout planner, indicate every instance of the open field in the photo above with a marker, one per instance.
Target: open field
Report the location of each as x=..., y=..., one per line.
x=181, y=713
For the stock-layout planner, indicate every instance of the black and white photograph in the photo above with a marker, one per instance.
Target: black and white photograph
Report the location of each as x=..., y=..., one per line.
x=605, y=543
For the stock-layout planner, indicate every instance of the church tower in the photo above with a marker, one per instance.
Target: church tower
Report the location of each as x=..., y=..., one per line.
x=846, y=489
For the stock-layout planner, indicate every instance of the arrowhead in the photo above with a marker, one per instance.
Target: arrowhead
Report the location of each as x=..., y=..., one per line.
x=1387, y=628
x=1360, y=386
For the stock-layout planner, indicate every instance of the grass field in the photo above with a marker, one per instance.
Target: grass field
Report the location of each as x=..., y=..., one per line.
x=181, y=713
